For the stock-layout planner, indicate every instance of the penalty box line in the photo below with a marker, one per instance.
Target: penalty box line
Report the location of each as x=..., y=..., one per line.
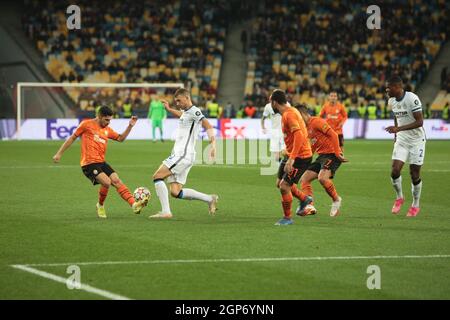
x=274, y=259
x=83, y=286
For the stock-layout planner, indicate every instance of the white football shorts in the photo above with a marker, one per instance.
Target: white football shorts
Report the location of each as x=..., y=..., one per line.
x=413, y=153
x=180, y=167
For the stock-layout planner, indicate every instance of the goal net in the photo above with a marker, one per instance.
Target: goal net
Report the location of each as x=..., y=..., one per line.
x=39, y=105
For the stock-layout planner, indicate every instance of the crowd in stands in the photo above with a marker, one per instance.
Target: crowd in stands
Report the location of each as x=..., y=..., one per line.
x=308, y=48
x=132, y=41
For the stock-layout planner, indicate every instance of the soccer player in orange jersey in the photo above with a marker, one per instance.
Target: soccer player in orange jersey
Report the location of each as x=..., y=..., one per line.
x=324, y=142
x=335, y=114
x=94, y=135
x=298, y=151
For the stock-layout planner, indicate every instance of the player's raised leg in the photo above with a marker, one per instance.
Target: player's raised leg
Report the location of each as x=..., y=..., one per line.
x=326, y=182
x=125, y=193
x=396, y=180
x=416, y=189
x=162, y=192
x=177, y=191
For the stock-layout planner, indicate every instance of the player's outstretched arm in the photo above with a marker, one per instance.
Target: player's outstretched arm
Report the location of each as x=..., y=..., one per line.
x=175, y=112
x=211, y=136
x=264, y=130
x=63, y=148
x=127, y=131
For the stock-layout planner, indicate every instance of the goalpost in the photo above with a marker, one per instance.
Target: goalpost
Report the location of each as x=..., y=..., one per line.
x=64, y=100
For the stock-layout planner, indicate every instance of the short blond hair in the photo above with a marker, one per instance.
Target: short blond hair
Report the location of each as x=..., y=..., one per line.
x=182, y=92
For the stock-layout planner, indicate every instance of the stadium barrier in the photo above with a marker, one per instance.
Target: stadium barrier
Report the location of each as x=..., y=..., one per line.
x=60, y=129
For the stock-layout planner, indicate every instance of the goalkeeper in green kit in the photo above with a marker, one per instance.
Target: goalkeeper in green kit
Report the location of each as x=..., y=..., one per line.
x=157, y=113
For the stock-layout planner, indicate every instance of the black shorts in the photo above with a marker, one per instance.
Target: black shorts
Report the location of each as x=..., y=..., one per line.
x=341, y=140
x=91, y=171
x=300, y=166
x=327, y=161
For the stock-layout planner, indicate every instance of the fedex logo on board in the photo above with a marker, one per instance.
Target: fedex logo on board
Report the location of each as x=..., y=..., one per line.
x=61, y=128
x=442, y=128
x=230, y=130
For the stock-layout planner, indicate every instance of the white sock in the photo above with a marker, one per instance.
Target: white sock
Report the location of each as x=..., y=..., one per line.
x=163, y=195
x=397, y=183
x=191, y=194
x=416, y=190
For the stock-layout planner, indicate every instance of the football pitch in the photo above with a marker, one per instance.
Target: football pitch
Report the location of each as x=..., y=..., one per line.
x=48, y=222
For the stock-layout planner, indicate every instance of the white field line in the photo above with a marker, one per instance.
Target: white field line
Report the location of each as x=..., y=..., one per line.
x=280, y=259
x=84, y=287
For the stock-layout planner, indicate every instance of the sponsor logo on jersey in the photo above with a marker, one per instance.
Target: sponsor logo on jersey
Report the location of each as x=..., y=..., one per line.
x=98, y=139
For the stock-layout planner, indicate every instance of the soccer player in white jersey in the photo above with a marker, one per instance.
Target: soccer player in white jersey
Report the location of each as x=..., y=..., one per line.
x=176, y=167
x=276, y=135
x=409, y=141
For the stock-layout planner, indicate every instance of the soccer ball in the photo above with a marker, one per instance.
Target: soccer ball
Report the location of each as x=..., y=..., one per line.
x=142, y=193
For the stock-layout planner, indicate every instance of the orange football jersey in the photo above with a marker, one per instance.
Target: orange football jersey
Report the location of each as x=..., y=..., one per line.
x=293, y=124
x=335, y=115
x=322, y=137
x=94, y=140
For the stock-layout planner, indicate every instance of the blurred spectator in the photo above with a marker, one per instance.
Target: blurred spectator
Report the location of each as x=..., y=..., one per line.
x=127, y=110
x=229, y=110
x=362, y=111
x=250, y=110
x=426, y=111
x=445, y=114
x=443, y=78
x=213, y=109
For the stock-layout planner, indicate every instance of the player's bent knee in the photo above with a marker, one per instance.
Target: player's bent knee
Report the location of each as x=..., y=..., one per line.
x=116, y=182
x=285, y=187
x=323, y=180
x=106, y=184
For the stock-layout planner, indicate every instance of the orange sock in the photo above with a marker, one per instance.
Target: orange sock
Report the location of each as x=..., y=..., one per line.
x=102, y=193
x=125, y=194
x=307, y=188
x=330, y=189
x=287, y=204
x=297, y=193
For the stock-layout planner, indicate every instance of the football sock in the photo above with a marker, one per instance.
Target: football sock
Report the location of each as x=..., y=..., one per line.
x=328, y=185
x=102, y=193
x=287, y=203
x=416, y=191
x=191, y=194
x=307, y=188
x=125, y=194
x=397, y=184
x=163, y=195
x=297, y=193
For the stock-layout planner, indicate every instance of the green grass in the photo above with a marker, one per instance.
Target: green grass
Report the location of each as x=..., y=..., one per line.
x=47, y=215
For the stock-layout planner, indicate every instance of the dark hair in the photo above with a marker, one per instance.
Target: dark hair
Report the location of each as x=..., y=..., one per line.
x=279, y=96
x=105, y=111
x=182, y=92
x=302, y=107
x=395, y=80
